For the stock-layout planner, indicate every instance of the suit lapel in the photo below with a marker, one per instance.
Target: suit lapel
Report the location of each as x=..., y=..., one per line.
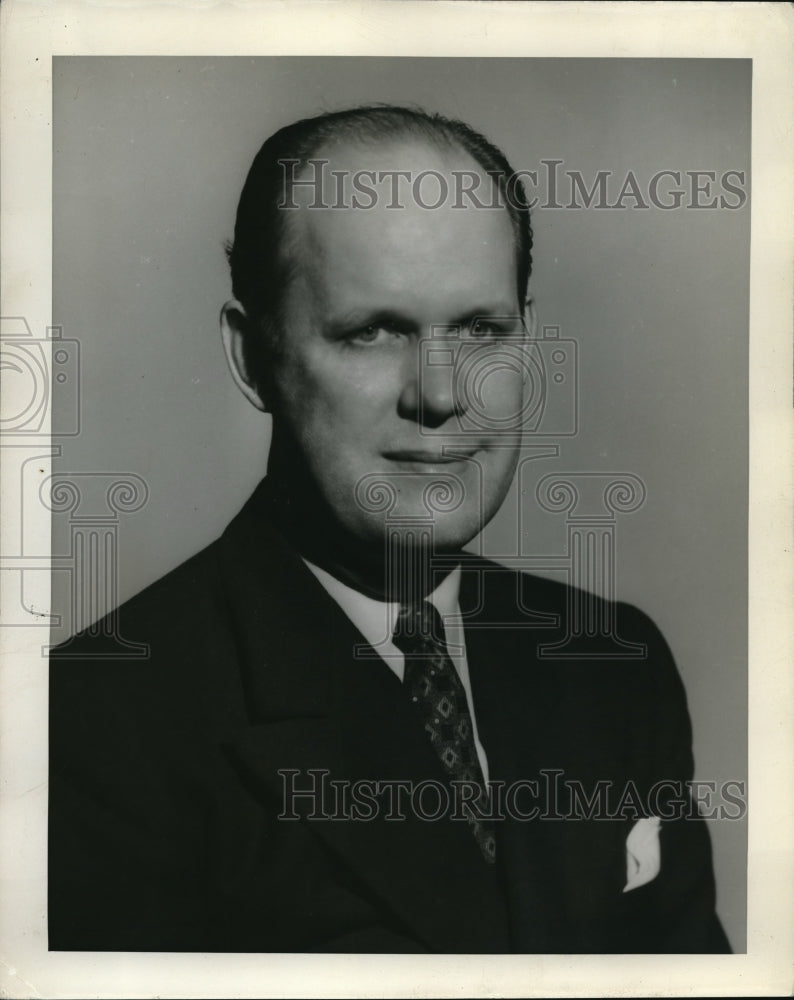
x=518, y=701
x=314, y=705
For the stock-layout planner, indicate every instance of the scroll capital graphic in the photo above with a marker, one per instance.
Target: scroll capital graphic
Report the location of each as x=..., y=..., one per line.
x=443, y=494
x=379, y=493
x=94, y=496
x=591, y=496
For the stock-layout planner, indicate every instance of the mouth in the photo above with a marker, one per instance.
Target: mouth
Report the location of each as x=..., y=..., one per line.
x=424, y=458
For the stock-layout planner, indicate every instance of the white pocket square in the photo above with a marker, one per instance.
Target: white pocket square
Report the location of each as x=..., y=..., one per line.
x=643, y=853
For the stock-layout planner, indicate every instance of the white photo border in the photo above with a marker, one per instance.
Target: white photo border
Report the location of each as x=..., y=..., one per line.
x=32, y=33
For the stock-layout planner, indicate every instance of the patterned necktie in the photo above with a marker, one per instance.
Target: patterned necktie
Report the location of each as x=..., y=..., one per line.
x=433, y=684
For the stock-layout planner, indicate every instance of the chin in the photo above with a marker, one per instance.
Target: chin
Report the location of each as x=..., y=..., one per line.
x=451, y=535
x=440, y=512
x=441, y=533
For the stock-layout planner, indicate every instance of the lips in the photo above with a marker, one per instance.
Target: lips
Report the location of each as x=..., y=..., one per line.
x=422, y=456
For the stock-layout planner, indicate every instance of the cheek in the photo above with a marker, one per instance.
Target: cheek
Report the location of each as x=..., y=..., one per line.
x=495, y=399
x=490, y=383
x=326, y=398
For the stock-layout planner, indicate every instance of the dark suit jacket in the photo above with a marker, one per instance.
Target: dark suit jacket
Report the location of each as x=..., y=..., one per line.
x=165, y=791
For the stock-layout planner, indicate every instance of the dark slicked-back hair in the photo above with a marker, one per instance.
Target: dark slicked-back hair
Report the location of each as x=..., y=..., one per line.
x=260, y=263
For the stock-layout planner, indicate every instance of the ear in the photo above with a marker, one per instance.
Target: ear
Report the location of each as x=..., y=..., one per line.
x=234, y=322
x=531, y=317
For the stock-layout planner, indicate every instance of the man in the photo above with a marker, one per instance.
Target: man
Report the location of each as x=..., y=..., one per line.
x=304, y=761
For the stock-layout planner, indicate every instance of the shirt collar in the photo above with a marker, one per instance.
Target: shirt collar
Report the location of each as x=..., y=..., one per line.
x=376, y=619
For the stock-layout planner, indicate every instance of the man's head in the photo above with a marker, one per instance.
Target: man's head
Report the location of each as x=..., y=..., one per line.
x=380, y=266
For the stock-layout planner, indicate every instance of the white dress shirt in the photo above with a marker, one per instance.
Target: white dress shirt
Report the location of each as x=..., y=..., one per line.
x=376, y=620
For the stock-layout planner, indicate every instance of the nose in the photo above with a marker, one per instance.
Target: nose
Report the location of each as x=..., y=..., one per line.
x=429, y=394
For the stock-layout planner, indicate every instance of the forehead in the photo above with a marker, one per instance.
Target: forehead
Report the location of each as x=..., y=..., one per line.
x=393, y=212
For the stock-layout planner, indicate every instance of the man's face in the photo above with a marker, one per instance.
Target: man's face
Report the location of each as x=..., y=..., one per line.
x=386, y=419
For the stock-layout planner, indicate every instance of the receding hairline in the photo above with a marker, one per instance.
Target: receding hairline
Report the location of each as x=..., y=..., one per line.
x=446, y=148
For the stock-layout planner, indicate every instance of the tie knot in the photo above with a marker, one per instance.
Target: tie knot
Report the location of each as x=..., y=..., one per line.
x=419, y=629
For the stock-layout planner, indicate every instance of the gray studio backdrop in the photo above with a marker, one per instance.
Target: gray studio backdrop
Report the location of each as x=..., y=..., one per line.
x=149, y=157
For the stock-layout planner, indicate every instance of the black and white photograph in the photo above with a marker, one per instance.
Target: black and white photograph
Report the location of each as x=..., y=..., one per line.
x=392, y=427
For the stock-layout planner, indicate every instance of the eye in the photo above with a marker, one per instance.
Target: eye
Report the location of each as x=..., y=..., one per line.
x=374, y=333
x=484, y=328
x=369, y=334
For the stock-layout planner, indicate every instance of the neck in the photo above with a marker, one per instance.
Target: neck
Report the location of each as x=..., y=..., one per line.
x=396, y=568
